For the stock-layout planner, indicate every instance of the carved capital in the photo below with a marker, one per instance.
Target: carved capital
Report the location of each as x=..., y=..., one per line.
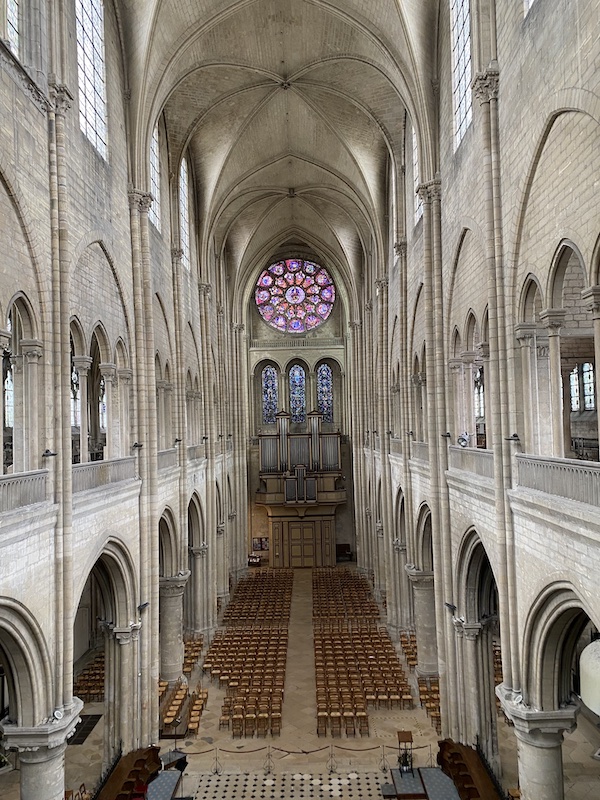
x=61, y=98
x=400, y=247
x=553, y=319
x=524, y=333
x=108, y=371
x=485, y=85
x=82, y=364
x=591, y=298
x=173, y=586
x=176, y=255
x=125, y=374
x=483, y=351
x=145, y=202
x=423, y=192
x=435, y=190
x=32, y=349
x=472, y=630
x=381, y=283
x=542, y=729
x=205, y=289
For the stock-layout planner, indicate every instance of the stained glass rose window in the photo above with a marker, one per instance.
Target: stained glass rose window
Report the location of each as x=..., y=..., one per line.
x=295, y=296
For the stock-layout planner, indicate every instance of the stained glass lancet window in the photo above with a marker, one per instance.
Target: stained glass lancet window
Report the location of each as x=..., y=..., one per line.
x=325, y=392
x=295, y=296
x=269, y=388
x=297, y=393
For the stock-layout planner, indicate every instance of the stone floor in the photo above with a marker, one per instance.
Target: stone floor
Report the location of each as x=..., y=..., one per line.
x=299, y=764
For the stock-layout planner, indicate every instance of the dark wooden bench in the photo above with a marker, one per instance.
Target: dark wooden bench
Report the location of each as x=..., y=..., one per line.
x=342, y=551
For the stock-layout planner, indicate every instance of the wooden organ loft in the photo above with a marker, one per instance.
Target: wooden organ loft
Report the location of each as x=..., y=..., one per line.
x=301, y=485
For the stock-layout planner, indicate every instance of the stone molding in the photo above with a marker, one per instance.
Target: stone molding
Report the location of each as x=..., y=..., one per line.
x=591, y=298
x=485, y=85
x=173, y=585
x=417, y=576
x=50, y=734
x=538, y=728
x=400, y=247
x=524, y=332
x=553, y=319
x=13, y=66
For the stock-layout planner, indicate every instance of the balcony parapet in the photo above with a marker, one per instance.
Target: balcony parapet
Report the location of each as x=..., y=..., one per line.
x=167, y=458
x=22, y=489
x=472, y=459
x=94, y=474
x=563, y=477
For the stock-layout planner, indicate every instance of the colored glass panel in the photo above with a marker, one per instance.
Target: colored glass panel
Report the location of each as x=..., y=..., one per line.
x=325, y=392
x=295, y=296
x=297, y=393
x=269, y=387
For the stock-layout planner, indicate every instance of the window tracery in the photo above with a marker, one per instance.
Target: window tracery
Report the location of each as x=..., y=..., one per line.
x=295, y=296
x=325, y=392
x=297, y=393
x=269, y=388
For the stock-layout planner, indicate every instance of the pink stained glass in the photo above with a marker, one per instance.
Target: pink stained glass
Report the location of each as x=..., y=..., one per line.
x=294, y=296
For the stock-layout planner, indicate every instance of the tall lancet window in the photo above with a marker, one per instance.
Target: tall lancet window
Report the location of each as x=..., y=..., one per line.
x=91, y=70
x=461, y=67
x=269, y=387
x=297, y=393
x=154, y=211
x=13, y=28
x=184, y=213
x=325, y=392
x=416, y=177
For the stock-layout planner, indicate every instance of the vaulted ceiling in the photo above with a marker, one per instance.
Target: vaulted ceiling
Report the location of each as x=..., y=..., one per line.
x=290, y=111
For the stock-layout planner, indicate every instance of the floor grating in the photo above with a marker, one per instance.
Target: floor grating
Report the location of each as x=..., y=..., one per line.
x=84, y=728
x=290, y=786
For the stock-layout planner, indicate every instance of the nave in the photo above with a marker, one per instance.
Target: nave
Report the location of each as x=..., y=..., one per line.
x=299, y=763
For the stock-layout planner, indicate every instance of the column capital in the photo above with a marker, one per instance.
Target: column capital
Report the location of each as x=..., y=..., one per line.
x=53, y=732
x=455, y=364
x=200, y=551
x=61, y=98
x=485, y=85
x=355, y=325
x=400, y=246
x=472, y=630
x=423, y=192
x=591, y=298
x=524, y=332
x=205, y=289
x=31, y=348
x=173, y=585
x=468, y=356
x=125, y=374
x=553, y=319
x=418, y=576
x=82, y=363
x=176, y=255
x=108, y=371
x=127, y=634
x=483, y=351
x=538, y=728
x=382, y=283
x=237, y=327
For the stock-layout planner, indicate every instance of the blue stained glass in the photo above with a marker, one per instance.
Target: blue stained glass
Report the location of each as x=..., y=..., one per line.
x=297, y=393
x=302, y=293
x=325, y=392
x=269, y=387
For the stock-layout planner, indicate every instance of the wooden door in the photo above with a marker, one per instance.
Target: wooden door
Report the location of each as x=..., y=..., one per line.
x=302, y=544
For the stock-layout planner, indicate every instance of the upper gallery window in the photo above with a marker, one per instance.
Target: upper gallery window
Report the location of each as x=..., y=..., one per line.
x=269, y=387
x=154, y=211
x=416, y=177
x=90, y=63
x=325, y=392
x=294, y=296
x=13, y=32
x=582, y=384
x=184, y=214
x=461, y=67
x=297, y=393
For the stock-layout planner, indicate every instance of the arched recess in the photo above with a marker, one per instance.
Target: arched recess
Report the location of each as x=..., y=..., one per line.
x=551, y=645
x=167, y=553
x=195, y=600
x=105, y=637
x=478, y=646
x=422, y=580
x=22, y=410
x=25, y=660
x=268, y=394
x=403, y=605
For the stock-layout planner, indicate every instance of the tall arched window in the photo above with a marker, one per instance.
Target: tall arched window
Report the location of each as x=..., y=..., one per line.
x=325, y=392
x=416, y=177
x=184, y=214
x=297, y=393
x=91, y=70
x=13, y=26
x=461, y=67
x=269, y=395
x=154, y=211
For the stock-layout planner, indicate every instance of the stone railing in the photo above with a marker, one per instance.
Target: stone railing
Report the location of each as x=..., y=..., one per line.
x=564, y=477
x=472, y=459
x=22, y=489
x=94, y=474
x=396, y=447
x=269, y=344
x=167, y=458
x=196, y=451
x=420, y=451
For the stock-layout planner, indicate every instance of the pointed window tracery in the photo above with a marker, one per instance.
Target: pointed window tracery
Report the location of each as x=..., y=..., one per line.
x=269, y=387
x=325, y=392
x=295, y=296
x=297, y=393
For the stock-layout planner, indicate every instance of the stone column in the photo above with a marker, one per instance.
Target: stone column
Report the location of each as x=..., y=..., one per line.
x=525, y=335
x=591, y=297
x=108, y=372
x=473, y=694
x=160, y=413
x=42, y=754
x=468, y=360
x=125, y=377
x=553, y=319
x=18, y=415
x=199, y=619
x=461, y=712
x=82, y=364
x=126, y=685
x=424, y=616
x=32, y=351
x=171, y=626
x=539, y=746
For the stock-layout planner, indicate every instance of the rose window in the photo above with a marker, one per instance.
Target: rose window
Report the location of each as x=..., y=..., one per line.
x=294, y=296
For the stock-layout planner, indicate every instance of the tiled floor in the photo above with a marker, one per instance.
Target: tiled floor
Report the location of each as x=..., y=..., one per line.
x=299, y=764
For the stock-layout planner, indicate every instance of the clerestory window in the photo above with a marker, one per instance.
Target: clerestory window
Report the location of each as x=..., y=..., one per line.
x=184, y=213
x=461, y=67
x=91, y=71
x=154, y=211
x=13, y=26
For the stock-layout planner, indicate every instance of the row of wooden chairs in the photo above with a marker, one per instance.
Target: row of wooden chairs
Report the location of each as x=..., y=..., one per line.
x=429, y=696
x=264, y=595
x=350, y=722
x=342, y=592
x=79, y=794
x=408, y=642
x=89, y=684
